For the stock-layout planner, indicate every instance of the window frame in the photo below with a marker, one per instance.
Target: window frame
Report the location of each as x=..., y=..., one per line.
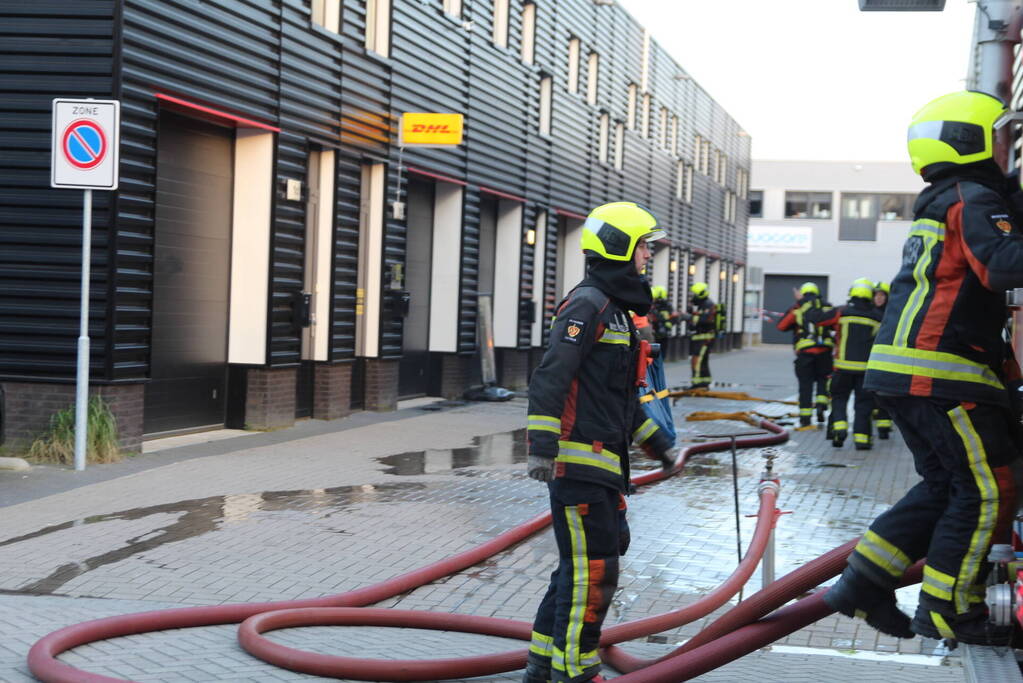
x=604, y=138
x=527, y=50
x=377, y=37
x=453, y=7
x=592, y=77
x=810, y=194
x=631, y=106
x=546, y=104
x=326, y=14
x=501, y=19
x=574, y=53
x=749, y=203
x=619, y=160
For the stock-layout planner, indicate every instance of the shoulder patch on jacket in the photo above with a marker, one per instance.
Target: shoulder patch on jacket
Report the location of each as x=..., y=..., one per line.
x=574, y=331
x=1001, y=222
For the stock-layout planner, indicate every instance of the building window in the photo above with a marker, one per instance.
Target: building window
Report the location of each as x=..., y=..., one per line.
x=573, y=65
x=680, y=179
x=545, y=105
x=453, y=7
x=604, y=135
x=858, y=222
x=742, y=178
x=663, y=131
x=674, y=135
x=756, y=204
x=705, y=158
x=730, y=207
x=528, y=32
x=896, y=207
x=378, y=26
x=722, y=168
x=630, y=117
x=645, y=125
x=592, y=70
x=689, y=184
x=697, y=148
x=807, y=205
x=501, y=23
x=620, y=146
x=327, y=13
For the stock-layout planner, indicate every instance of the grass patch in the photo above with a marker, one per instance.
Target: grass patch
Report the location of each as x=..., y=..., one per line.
x=57, y=444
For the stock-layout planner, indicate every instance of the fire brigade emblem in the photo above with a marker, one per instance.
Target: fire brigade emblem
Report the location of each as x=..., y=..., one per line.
x=574, y=331
x=1004, y=225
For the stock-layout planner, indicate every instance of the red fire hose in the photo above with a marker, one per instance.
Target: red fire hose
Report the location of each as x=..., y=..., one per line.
x=44, y=665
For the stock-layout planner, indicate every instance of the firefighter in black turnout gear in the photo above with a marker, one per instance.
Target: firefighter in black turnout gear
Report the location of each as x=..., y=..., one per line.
x=584, y=411
x=940, y=366
x=812, y=343
x=882, y=419
x=855, y=325
x=702, y=319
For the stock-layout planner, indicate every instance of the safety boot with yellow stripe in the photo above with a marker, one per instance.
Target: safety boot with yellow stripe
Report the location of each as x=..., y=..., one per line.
x=972, y=627
x=856, y=596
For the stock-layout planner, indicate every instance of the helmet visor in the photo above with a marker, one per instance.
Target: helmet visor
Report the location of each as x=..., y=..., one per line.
x=655, y=235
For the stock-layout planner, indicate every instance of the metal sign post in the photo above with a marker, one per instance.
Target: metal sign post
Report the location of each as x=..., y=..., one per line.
x=84, y=156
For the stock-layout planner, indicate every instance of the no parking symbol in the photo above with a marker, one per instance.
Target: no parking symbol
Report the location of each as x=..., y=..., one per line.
x=85, y=144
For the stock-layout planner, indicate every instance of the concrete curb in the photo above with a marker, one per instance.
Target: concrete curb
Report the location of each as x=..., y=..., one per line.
x=16, y=464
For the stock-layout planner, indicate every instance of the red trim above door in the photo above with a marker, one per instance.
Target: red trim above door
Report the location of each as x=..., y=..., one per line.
x=215, y=113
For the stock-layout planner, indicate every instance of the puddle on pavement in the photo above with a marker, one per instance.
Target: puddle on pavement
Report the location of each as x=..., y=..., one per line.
x=508, y=448
x=203, y=515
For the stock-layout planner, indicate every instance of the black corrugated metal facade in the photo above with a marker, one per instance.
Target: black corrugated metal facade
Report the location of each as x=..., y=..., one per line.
x=265, y=60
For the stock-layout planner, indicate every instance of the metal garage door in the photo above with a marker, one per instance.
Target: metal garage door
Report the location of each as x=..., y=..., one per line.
x=191, y=275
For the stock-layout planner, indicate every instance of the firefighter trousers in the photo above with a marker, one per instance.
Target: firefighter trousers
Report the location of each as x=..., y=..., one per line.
x=812, y=369
x=699, y=361
x=843, y=384
x=964, y=503
x=589, y=527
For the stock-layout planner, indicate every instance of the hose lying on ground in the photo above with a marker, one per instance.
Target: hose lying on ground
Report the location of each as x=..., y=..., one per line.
x=43, y=663
x=729, y=395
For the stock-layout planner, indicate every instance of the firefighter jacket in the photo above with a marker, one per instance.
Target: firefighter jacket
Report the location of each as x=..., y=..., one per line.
x=941, y=335
x=855, y=326
x=703, y=322
x=808, y=337
x=662, y=318
x=583, y=406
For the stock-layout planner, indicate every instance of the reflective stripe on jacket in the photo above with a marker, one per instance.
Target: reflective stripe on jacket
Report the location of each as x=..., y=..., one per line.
x=583, y=406
x=942, y=330
x=703, y=324
x=855, y=326
x=807, y=335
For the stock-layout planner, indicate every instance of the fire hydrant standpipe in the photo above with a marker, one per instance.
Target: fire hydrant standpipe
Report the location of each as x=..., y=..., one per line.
x=42, y=658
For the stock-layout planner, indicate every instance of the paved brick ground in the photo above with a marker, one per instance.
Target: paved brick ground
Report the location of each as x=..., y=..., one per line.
x=349, y=504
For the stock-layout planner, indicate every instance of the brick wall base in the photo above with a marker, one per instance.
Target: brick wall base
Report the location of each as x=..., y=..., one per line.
x=28, y=407
x=381, y=385
x=332, y=391
x=451, y=374
x=513, y=366
x=270, y=398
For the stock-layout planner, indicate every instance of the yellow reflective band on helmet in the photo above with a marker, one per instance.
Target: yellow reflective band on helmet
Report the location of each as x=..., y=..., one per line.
x=541, y=644
x=580, y=589
x=543, y=423
x=576, y=453
x=611, y=231
x=942, y=626
x=938, y=584
x=883, y=554
x=612, y=337
x=861, y=438
x=644, y=432
x=935, y=364
x=987, y=488
x=956, y=128
x=840, y=425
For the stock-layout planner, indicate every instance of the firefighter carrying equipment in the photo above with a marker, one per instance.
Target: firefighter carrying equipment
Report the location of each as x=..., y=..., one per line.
x=583, y=413
x=954, y=129
x=812, y=343
x=611, y=231
x=964, y=452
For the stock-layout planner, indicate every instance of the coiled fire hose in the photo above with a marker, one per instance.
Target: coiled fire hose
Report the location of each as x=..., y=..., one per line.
x=347, y=608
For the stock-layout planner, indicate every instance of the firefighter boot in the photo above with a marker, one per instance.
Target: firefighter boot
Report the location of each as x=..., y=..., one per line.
x=862, y=442
x=884, y=432
x=821, y=410
x=838, y=437
x=856, y=596
x=972, y=627
x=536, y=672
x=804, y=420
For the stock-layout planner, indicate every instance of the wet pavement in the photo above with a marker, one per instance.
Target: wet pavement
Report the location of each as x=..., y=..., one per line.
x=250, y=525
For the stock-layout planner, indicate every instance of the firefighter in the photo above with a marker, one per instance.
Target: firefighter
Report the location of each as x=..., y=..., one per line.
x=856, y=324
x=702, y=319
x=584, y=411
x=939, y=366
x=662, y=317
x=812, y=344
x=881, y=417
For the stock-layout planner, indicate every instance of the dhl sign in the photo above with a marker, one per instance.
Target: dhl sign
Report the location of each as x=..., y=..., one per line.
x=436, y=130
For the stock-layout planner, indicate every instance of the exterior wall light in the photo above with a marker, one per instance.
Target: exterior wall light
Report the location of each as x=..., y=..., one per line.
x=673, y=266
x=531, y=237
x=735, y=277
x=722, y=275
x=692, y=269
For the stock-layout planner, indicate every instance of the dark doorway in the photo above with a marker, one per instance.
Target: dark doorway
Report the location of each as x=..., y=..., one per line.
x=191, y=275
x=304, y=385
x=779, y=295
x=413, y=368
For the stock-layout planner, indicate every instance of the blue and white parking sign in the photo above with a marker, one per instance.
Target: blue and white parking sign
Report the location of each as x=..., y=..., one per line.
x=85, y=142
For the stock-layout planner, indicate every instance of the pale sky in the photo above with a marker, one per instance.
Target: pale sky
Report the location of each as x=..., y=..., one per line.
x=815, y=79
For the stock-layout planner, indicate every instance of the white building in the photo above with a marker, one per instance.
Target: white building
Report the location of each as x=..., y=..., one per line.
x=828, y=222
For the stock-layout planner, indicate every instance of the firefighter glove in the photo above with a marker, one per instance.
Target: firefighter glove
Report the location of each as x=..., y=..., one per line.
x=540, y=468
